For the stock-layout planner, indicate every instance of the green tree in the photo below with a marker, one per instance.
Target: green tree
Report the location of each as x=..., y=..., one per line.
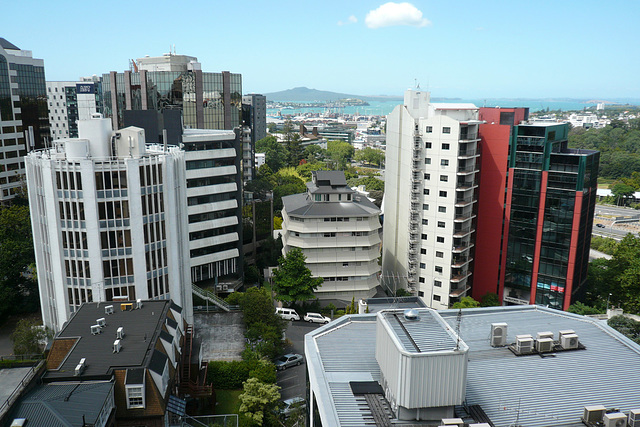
x=583, y=309
x=340, y=153
x=313, y=153
x=621, y=192
x=18, y=286
x=626, y=326
x=292, y=279
x=257, y=401
x=28, y=337
x=490, y=299
x=370, y=156
x=466, y=302
x=276, y=155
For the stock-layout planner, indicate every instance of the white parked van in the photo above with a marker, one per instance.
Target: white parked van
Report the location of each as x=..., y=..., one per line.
x=287, y=313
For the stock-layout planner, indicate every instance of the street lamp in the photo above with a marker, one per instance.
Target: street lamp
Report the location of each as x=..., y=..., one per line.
x=608, y=303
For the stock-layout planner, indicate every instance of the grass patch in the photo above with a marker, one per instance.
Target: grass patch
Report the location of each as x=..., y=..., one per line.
x=227, y=402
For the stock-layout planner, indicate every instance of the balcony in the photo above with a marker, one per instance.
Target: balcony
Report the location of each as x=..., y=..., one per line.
x=463, y=231
x=467, y=169
x=459, y=247
x=464, y=216
x=460, y=261
x=464, y=201
x=530, y=140
x=459, y=292
x=468, y=136
x=458, y=277
x=468, y=153
x=464, y=185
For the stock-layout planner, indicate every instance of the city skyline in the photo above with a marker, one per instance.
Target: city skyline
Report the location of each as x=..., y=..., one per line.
x=370, y=48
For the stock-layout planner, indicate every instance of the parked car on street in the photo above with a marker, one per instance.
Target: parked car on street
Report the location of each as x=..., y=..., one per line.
x=283, y=362
x=600, y=225
x=316, y=318
x=287, y=313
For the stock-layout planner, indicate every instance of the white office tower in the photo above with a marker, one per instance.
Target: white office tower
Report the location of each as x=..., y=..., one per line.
x=109, y=218
x=338, y=231
x=214, y=195
x=430, y=182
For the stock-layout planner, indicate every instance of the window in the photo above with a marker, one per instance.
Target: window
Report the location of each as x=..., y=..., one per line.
x=440, y=224
x=442, y=209
x=446, y=129
x=135, y=397
x=437, y=283
x=427, y=177
x=444, y=162
x=436, y=297
x=423, y=251
x=440, y=239
x=425, y=221
x=424, y=237
x=429, y=129
x=439, y=254
x=421, y=279
x=442, y=193
x=444, y=178
x=445, y=146
x=425, y=191
x=427, y=161
x=438, y=269
x=317, y=197
x=420, y=293
x=423, y=265
x=427, y=145
x=425, y=207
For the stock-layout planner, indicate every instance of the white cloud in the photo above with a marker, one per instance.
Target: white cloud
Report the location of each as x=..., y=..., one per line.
x=351, y=20
x=392, y=14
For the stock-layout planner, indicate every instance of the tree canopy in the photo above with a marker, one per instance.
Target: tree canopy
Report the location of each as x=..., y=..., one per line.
x=340, y=153
x=257, y=401
x=292, y=279
x=466, y=302
x=370, y=156
x=18, y=286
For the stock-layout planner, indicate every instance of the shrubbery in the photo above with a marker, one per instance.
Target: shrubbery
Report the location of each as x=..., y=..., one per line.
x=231, y=375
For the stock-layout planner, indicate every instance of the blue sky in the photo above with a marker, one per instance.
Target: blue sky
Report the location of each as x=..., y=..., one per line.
x=467, y=49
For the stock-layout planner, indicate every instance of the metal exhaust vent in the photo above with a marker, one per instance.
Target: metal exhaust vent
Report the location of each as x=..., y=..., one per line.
x=411, y=314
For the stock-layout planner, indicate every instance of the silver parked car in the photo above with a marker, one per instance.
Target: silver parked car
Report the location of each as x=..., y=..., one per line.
x=283, y=362
x=292, y=405
x=316, y=318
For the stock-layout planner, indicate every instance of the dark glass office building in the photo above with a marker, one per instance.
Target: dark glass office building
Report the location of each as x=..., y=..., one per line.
x=550, y=202
x=207, y=100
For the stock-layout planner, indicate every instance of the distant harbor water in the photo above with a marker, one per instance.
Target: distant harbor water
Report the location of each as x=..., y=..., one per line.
x=382, y=108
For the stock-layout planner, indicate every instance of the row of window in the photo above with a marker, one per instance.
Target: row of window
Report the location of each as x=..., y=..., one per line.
x=444, y=146
x=441, y=209
x=445, y=129
x=441, y=193
x=443, y=162
x=439, y=239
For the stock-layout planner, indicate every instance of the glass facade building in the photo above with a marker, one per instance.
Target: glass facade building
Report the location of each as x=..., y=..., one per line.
x=207, y=100
x=23, y=105
x=550, y=202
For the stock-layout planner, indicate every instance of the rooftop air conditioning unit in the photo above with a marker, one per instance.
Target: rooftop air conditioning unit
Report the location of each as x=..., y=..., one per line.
x=116, y=346
x=80, y=367
x=616, y=419
x=218, y=287
x=480, y=425
x=634, y=418
x=565, y=332
x=541, y=335
x=544, y=345
x=593, y=414
x=569, y=342
x=108, y=309
x=225, y=287
x=138, y=304
x=524, y=343
x=498, y=334
x=102, y=322
x=95, y=329
x=120, y=333
x=452, y=422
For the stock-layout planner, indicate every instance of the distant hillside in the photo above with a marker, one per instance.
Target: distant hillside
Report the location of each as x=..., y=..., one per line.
x=304, y=94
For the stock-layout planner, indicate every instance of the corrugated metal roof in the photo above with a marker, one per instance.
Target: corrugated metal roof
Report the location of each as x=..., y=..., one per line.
x=63, y=405
x=550, y=391
x=426, y=332
x=300, y=205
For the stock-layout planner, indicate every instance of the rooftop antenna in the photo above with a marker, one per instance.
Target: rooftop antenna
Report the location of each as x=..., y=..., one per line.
x=417, y=84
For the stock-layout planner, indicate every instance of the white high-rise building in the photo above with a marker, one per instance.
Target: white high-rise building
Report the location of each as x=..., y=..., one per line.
x=430, y=196
x=338, y=231
x=109, y=219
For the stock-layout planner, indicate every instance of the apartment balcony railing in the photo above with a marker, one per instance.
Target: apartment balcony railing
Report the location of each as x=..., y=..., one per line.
x=463, y=201
x=461, y=261
x=462, y=246
x=459, y=291
x=466, y=185
x=470, y=136
x=463, y=231
x=458, y=277
x=467, y=169
x=464, y=216
x=468, y=152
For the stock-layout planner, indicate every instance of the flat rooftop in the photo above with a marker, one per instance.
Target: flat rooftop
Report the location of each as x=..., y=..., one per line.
x=547, y=391
x=141, y=327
